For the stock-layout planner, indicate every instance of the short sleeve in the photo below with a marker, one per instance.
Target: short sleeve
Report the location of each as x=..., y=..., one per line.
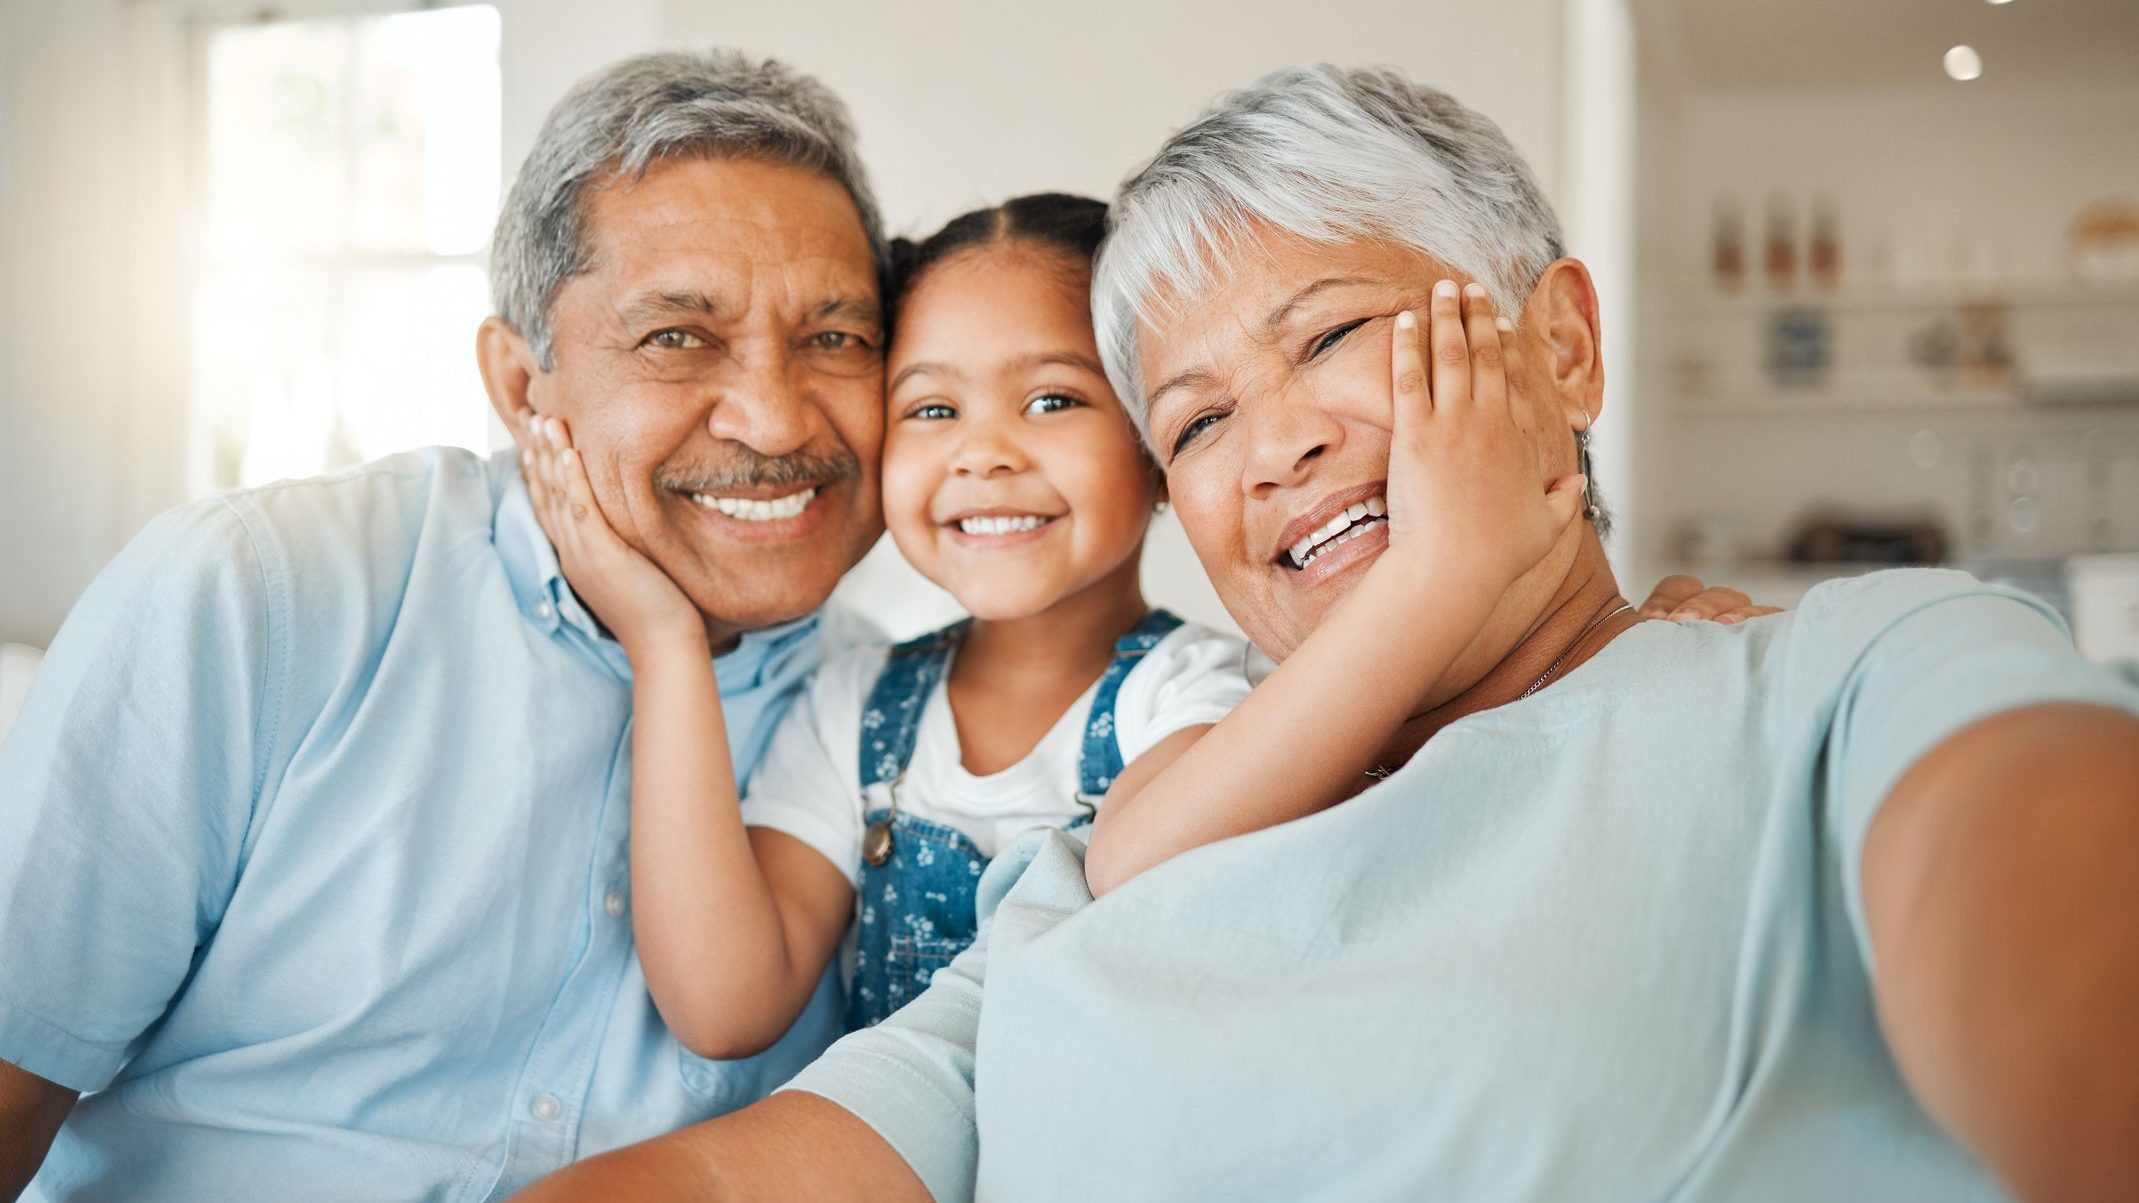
x=806, y=787
x=1934, y=653
x=1193, y=678
x=126, y=791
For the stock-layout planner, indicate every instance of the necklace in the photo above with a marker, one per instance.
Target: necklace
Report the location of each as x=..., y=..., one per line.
x=1382, y=774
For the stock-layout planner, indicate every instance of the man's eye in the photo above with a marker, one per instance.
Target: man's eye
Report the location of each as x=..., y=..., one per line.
x=1048, y=403
x=838, y=340
x=674, y=340
x=934, y=411
x=1333, y=337
x=1194, y=430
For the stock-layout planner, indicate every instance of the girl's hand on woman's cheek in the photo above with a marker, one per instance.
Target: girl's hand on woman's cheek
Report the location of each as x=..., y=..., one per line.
x=628, y=592
x=1465, y=502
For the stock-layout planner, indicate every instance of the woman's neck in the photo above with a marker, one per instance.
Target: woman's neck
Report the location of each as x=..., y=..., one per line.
x=1576, y=624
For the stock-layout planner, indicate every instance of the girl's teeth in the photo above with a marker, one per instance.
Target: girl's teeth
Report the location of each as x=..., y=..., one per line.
x=750, y=509
x=1002, y=525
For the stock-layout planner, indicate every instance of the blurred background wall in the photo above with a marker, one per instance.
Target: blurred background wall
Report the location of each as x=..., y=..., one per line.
x=239, y=242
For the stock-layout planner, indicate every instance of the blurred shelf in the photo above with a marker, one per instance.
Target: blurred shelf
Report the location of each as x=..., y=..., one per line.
x=1701, y=299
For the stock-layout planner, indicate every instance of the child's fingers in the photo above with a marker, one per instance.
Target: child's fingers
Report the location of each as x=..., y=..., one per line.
x=1489, y=381
x=1564, y=500
x=1450, y=376
x=1407, y=372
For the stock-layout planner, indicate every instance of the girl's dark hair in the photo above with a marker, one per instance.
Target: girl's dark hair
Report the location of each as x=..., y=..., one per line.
x=1072, y=225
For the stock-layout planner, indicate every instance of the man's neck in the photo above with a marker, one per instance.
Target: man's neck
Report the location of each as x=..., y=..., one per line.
x=1568, y=633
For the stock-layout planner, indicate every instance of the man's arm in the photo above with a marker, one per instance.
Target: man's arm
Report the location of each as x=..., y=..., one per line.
x=31, y=1111
x=2001, y=893
x=791, y=1146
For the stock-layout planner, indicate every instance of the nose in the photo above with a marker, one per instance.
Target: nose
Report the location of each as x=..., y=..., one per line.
x=1287, y=431
x=764, y=408
x=985, y=449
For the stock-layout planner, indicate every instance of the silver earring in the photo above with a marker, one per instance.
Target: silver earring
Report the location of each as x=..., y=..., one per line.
x=1589, y=487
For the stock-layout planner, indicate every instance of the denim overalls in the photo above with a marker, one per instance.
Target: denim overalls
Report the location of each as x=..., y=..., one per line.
x=916, y=898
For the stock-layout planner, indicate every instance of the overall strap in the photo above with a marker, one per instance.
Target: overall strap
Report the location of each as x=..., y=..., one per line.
x=892, y=718
x=1100, y=762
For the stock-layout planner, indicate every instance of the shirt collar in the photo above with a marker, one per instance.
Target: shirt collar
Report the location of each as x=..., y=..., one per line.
x=546, y=600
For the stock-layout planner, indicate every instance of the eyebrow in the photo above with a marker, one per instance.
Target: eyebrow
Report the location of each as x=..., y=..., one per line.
x=1196, y=377
x=1035, y=359
x=647, y=306
x=1279, y=315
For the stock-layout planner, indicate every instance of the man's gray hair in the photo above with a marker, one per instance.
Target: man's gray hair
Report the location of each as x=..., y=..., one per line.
x=1328, y=155
x=616, y=123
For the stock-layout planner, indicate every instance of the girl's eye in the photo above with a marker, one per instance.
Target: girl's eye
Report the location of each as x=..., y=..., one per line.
x=1194, y=430
x=674, y=340
x=1048, y=403
x=1333, y=337
x=933, y=411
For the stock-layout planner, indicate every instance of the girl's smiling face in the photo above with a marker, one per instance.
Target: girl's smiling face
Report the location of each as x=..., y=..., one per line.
x=1012, y=475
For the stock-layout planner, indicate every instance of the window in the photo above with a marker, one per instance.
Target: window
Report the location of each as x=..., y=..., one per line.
x=349, y=176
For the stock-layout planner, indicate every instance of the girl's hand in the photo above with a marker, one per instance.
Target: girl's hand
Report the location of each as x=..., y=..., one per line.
x=632, y=597
x=1464, y=496
x=1686, y=599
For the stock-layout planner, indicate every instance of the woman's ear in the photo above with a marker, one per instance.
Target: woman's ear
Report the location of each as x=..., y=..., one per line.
x=509, y=374
x=1563, y=306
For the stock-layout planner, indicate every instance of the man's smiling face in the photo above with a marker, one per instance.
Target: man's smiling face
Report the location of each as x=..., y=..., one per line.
x=720, y=366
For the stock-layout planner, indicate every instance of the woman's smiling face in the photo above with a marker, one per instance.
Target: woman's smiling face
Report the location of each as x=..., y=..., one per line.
x=1012, y=476
x=1271, y=411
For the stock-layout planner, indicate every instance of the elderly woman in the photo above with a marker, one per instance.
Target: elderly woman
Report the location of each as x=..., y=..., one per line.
x=1833, y=905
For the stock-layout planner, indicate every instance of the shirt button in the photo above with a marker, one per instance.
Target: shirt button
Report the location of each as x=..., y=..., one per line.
x=546, y=1107
x=543, y=610
x=614, y=904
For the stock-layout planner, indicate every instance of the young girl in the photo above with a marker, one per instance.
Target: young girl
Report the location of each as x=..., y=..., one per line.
x=1014, y=479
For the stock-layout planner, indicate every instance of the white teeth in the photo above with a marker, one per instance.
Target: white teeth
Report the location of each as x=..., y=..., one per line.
x=1356, y=520
x=998, y=524
x=751, y=509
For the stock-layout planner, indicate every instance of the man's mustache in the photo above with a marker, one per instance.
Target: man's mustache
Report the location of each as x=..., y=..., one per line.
x=746, y=469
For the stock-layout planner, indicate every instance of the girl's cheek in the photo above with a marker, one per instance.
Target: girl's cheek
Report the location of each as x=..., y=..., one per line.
x=909, y=488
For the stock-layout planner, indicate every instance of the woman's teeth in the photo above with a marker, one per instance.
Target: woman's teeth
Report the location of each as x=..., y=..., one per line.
x=1357, y=519
x=750, y=509
x=1002, y=524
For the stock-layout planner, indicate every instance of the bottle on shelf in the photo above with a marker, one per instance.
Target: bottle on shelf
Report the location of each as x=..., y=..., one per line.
x=1781, y=257
x=1727, y=245
x=1824, y=261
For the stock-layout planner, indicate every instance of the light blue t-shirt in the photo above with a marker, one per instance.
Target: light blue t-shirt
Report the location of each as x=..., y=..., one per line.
x=313, y=840
x=1602, y=943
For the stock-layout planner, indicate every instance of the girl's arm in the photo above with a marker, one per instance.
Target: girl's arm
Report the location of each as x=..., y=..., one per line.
x=734, y=925
x=1459, y=465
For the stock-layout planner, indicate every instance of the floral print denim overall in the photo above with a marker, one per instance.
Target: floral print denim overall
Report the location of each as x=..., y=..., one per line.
x=915, y=911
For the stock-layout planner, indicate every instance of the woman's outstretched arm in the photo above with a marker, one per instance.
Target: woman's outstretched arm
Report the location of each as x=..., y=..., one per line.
x=791, y=1146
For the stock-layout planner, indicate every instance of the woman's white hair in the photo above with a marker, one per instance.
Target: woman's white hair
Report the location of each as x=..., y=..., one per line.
x=1328, y=155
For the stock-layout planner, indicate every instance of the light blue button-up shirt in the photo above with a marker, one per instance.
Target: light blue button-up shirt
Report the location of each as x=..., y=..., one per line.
x=313, y=839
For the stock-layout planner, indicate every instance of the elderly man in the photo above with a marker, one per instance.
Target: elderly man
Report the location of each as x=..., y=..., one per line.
x=314, y=834
x=1832, y=906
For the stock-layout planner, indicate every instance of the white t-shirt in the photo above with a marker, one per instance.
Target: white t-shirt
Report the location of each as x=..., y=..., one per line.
x=809, y=783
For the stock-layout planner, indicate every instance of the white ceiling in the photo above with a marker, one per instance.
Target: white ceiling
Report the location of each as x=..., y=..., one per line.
x=1745, y=44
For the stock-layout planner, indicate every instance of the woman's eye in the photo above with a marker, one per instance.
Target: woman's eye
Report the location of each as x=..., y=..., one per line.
x=674, y=340
x=1194, y=430
x=1333, y=337
x=934, y=411
x=1048, y=403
